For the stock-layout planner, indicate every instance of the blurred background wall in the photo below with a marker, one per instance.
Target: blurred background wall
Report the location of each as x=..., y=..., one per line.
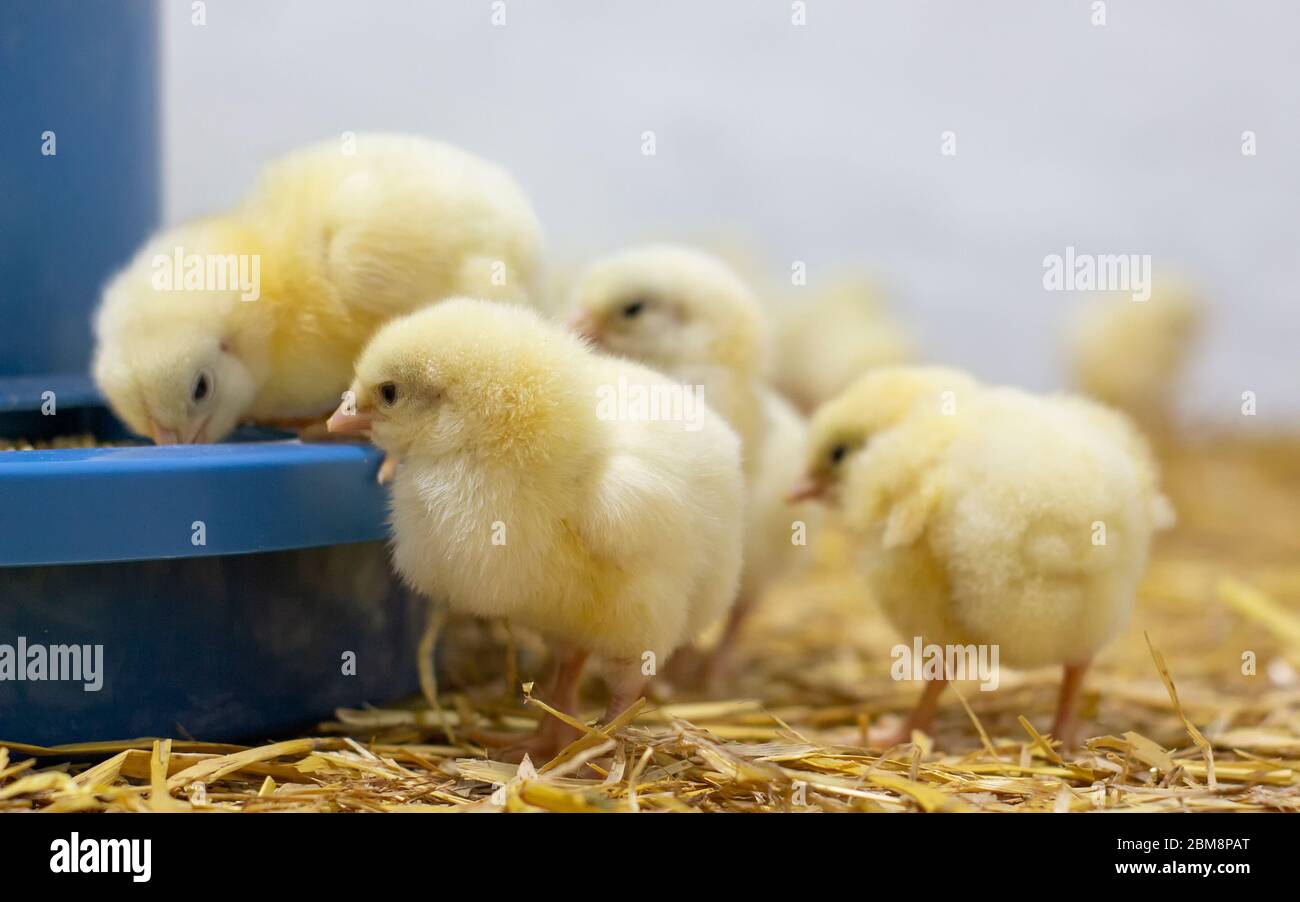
x=822, y=142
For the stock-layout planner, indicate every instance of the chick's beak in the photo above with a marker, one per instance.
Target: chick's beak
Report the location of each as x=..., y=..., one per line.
x=582, y=323
x=809, y=487
x=163, y=436
x=349, y=422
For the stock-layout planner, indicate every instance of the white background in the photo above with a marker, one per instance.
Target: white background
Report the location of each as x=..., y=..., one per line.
x=822, y=143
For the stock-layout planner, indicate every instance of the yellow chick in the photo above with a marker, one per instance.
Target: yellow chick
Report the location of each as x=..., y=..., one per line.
x=824, y=344
x=1002, y=521
x=688, y=315
x=259, y=313
x=527, y=491
x=1132, y=354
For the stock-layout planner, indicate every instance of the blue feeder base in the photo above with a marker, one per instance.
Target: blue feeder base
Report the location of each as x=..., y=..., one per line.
x=214, y=648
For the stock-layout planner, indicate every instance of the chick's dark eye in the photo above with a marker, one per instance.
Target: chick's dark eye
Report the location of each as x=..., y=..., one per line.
x=202, y=385
x=838, y=452
x=633, y=309
x=388, y=392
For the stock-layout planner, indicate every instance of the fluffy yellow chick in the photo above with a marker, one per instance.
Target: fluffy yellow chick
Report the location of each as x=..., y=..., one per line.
x=1132, y=354
x=1006, y=520
x=823, y=344
x=271, y=302
x=688, y=315
x=523, y=493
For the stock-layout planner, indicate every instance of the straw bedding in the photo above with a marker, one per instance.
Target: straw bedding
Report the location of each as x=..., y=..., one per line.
x=1177, y=718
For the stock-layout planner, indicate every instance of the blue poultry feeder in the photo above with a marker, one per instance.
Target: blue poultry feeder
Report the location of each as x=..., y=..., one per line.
x=213, y=591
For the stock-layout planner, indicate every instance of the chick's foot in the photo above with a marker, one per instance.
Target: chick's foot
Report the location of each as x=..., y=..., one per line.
x=552, y=737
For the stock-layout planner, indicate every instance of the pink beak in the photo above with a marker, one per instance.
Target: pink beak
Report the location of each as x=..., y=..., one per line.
x=583, y=324
x=164, y=436
x=344, y=422
x=808, y=488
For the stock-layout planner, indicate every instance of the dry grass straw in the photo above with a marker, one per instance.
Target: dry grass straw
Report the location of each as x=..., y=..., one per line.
x=1177, y=720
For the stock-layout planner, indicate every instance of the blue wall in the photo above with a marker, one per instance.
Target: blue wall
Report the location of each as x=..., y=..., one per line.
x=89, y=73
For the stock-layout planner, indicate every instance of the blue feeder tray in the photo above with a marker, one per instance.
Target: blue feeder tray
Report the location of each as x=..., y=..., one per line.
x=234, y=590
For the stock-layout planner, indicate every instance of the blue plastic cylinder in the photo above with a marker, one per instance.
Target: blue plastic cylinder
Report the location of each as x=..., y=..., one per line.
x=79, y=168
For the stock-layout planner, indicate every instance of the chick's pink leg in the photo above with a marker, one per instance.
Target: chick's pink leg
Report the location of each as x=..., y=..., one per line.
x=691, y=668
x=922, y=716
x=626, y=684
x=1067, y=704
x=717, y=664
x=552, y=733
